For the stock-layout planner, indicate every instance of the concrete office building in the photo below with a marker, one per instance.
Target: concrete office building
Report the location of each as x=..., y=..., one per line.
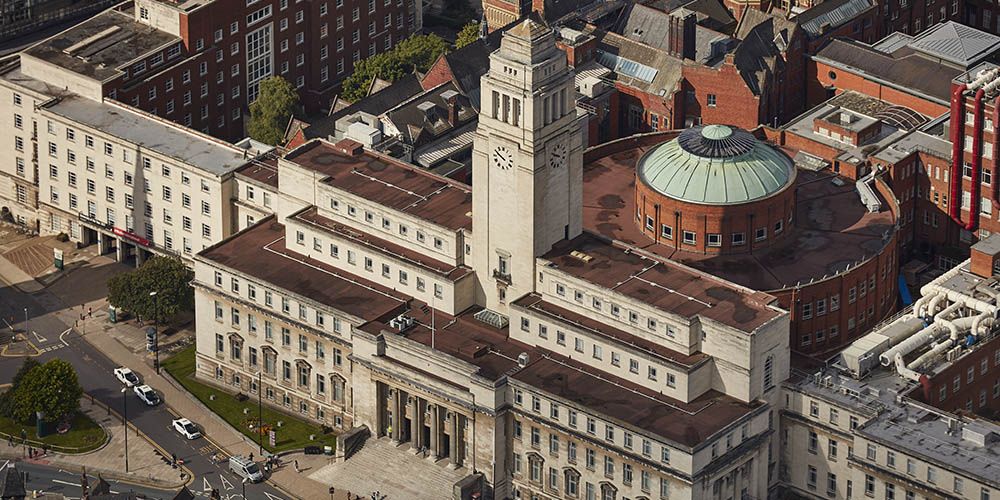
x=484, y=324
x=103, y=172
x=905, y=412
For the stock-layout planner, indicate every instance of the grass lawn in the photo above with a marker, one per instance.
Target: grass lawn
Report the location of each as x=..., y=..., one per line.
x=84, y=434
x=294, y=433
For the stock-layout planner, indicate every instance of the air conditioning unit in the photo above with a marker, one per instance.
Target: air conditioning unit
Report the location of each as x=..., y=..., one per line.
x=522, y=359
x=401, y=322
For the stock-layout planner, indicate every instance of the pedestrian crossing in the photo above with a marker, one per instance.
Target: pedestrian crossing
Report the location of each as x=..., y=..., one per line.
x=50, y=348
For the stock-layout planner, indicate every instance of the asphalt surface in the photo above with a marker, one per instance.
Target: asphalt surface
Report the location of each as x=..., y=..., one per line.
x=50, y=479
x=94, y=370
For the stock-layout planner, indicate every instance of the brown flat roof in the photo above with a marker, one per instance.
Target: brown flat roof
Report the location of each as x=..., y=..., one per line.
x=661, y=283
x=311, y=216
x=832, y=227
x=688, y=424
x=389, y=182
x=462, y=337
x=264, y=171
x=535, y=302
x=260, y=252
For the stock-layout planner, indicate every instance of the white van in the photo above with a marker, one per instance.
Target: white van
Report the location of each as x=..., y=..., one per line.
x=245, y=468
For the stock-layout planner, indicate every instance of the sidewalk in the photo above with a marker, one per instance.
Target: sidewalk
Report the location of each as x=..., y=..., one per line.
x=145, y=466
x=119, y=343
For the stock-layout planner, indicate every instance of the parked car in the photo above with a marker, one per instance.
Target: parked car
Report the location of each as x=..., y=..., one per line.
x=126, y=376
x=147, y=394
x=245, y=468
x=186, y=428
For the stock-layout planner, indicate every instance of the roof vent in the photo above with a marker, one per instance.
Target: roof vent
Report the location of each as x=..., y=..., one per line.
x=447, y=95
x=401, y=323
x=522, y=359
x=978, y=434
x=425, y=106
x=581, y=256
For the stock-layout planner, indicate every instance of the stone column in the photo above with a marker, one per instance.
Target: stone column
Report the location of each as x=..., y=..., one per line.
x=417, y=424
x=436, y=432
x=120, y=250
x=397, y=416
x=455, y=441
x=380, y=420
x=139, y=259
x=101, y=248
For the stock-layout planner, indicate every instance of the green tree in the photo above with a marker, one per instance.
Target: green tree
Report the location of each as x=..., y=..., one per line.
x=166, y=276
x=52, y=389
x=7, y=398
x=469, y=34
x=269, y=114
x=417, y=52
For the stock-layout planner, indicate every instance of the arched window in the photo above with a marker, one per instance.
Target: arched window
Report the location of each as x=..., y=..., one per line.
x=769, y=372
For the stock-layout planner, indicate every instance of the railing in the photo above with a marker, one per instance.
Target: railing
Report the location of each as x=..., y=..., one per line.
x=500, y=276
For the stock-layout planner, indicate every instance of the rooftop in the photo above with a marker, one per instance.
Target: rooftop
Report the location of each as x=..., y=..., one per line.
x=310, y=216
x=662, y=284
x=212, y=156
x=927, y=434
x=646, y=68
x=833, y=229
x=957, y=43
x=260, y=252
x=425, y=117
x=264, y=171
x=374, y=104
x=831, y=14
x=461, y=336
x=535, y=303
x=716, y=164
x=905, y=69
x=99, y=46
x=389, y=182
x=892, y=121
x=687, y=424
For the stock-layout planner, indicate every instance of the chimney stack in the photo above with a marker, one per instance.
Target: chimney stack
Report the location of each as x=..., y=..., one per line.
x=984, y=256
x=451, y=100
x=681, y=33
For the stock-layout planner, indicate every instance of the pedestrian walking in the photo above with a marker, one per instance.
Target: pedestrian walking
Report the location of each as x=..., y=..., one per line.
x=90, y=312
x=296, y=463
x=31, y=452
x=10, y=440
x=173, y=459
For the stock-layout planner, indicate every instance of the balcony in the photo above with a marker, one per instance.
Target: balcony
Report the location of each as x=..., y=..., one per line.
x=501, y=276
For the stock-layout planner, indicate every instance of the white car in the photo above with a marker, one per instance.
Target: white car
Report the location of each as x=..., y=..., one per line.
x=186, y=428
x=147, y=394
x=126, y=376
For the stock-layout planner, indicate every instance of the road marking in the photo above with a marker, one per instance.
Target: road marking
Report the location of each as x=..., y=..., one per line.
x=61, y=339
x=39, y=337
x=207, y=486
x=4, y=466
x=272, y=497
x=9, y=325
x=60, y=481
x=225, y=483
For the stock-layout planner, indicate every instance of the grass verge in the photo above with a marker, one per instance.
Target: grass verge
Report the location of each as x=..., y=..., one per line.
x=84, y=435
x=294, y=432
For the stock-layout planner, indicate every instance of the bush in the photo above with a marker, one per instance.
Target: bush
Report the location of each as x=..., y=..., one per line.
x=62, y=237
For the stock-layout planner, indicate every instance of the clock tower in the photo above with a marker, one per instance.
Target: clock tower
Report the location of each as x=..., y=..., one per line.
x=527, y=163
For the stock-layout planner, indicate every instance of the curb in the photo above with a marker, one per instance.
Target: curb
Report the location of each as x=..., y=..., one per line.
x=105, y=473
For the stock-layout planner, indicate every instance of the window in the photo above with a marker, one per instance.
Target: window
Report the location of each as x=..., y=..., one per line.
x=690, y=238
x=711, y=100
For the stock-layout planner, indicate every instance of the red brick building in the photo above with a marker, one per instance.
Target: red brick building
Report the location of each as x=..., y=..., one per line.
x=807, y=240
x=200, y=62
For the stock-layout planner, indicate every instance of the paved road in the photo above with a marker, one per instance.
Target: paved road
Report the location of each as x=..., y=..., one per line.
x=94, y=370
x=55, y=480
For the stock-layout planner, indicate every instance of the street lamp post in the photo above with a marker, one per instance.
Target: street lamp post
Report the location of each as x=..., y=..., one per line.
x=125, y=422
x=27, y=333
x=156, y=331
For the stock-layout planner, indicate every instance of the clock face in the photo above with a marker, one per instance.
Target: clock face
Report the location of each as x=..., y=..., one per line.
x=503, y=158
x=557, y=157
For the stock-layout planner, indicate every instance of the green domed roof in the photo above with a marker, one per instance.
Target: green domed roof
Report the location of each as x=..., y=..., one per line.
x=716, y=164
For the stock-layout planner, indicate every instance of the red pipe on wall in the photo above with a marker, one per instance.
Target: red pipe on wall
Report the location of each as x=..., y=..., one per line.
x=957, y=134
x=977, y=161
x=996, y=151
